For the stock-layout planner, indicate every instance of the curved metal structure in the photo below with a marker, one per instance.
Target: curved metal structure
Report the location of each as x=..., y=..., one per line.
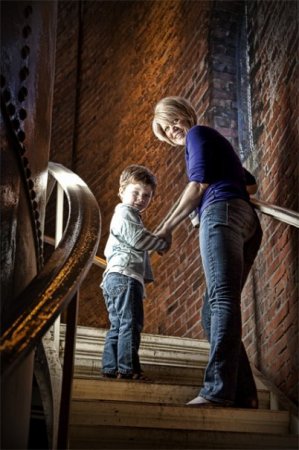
x=28, y=41
x=47, y=296
x=55, y=288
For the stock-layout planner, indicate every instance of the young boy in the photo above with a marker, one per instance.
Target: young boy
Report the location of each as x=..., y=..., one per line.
x=128, y=268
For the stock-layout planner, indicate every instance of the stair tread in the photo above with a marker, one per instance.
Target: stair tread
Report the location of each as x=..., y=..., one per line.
x=113, y=437
x=126, y=414
x=138, y=414
x=98, y=379
x=150, y=391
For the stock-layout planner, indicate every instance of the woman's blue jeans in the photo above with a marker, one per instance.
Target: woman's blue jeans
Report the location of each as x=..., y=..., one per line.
x=124, y=301
x=230, y=236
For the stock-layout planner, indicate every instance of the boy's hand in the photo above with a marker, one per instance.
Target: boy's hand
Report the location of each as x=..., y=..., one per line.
x=167, y=236
x=165, y=250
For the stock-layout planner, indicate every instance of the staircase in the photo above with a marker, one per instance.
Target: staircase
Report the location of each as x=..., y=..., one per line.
x=122, y=414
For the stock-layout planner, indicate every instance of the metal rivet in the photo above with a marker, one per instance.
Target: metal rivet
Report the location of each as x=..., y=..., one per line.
x=25, y=161
x=11, y=109
x=22, y=114
x=24, y=72
x=30, y=184
x=22, y=149
x=6, y=95
x=34, y=204
x=28, y=11
x=26, y=31
x=23, y=92
x=33, y=194
x=25, y=51
x=16, y=124
x=21, y=136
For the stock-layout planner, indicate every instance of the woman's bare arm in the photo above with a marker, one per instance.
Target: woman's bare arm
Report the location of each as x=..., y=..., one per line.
x=188, y=202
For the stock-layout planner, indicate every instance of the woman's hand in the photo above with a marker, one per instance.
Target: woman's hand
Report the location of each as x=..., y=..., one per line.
x=251, y=188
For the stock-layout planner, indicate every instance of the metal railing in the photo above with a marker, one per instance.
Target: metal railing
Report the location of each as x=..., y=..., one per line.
x=55, y=288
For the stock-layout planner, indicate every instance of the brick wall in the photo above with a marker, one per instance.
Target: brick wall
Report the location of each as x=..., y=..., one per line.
x=271, y=319
x=123, y=57
x=132, y=54
x=63, y=138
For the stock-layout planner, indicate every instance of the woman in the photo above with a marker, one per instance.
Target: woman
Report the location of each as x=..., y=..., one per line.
x=230, y=236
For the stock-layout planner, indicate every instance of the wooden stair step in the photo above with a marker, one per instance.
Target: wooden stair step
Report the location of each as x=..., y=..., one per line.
x=169, y=374
x=126, y=414
x=111, y=437
x=138, y=391
x=148, y=415
x=154, y=349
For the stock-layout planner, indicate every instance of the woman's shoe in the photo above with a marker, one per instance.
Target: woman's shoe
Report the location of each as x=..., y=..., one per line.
x=250, y=403
x=140, y=376
x=124, y=376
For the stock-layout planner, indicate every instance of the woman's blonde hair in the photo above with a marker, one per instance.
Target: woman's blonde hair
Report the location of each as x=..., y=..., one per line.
x=169, y=109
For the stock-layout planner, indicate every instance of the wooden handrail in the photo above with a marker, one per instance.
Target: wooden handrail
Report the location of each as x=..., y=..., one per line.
x=277, y=212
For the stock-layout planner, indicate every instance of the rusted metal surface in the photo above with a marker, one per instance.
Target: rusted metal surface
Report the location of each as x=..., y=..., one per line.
x=33, y=295
x=28, y=36
x=49, y=294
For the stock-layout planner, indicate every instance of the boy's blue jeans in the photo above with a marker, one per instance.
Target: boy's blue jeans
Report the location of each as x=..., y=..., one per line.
x=124, y=301
x=230, y=236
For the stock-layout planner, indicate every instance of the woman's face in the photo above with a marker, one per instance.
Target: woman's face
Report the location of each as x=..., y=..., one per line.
x=176, y=131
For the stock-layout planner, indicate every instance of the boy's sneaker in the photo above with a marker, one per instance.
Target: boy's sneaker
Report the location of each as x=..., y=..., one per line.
x=124, y=376
x=133, y=376
x=108, y=375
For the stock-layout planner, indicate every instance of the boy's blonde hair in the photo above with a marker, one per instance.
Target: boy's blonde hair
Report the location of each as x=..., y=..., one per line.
x=169, y=109
x=137, y=174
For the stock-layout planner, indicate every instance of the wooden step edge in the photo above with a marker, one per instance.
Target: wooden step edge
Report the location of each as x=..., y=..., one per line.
x=90, y=343
x=158, y=350
x=94, y=335
x=139, y=391
x=113, y=437
x=128, y=414
x=159, y=372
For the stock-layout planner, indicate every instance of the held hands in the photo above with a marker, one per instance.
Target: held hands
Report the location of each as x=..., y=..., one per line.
x=167, y=236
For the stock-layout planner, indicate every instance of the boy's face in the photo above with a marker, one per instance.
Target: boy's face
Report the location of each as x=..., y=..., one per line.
x=138, y=195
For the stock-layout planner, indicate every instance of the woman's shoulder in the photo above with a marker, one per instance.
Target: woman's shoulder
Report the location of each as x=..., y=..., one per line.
x=202, y=132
